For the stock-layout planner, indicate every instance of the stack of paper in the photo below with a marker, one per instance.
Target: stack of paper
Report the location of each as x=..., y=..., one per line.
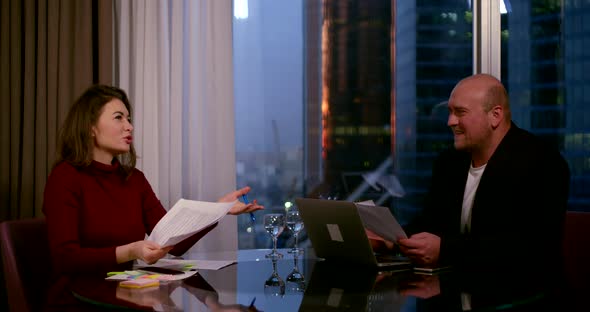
x=186, y=218
x=380, y=221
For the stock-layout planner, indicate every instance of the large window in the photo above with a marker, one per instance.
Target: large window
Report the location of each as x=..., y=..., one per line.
x=268, y=87
x=433, y=51
x=347, y=99
x=546, y=68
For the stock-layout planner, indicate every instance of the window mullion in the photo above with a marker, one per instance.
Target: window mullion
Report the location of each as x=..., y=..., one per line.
x=486, y=37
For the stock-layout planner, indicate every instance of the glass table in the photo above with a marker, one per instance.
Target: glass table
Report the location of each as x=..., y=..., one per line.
x=303, y=283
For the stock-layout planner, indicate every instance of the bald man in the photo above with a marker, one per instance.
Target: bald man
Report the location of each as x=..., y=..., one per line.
x=498, y=199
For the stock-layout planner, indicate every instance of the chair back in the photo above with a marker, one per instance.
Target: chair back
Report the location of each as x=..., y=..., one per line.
x=576, y=250
x=26, y=263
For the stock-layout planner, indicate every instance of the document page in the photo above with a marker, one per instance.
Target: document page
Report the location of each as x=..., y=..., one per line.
x=180, y=264
x=186, y=218
x=380, y=221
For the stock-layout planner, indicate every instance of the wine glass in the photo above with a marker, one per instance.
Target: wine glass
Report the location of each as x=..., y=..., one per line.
x=274, y=224
x=274, y=286
x=295, y=280
x=295, y=224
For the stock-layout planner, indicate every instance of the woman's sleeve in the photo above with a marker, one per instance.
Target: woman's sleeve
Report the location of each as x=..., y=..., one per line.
x=61, y=205
x=153, y=210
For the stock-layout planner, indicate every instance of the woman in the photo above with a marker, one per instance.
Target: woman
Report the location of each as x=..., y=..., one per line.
x=98, y=206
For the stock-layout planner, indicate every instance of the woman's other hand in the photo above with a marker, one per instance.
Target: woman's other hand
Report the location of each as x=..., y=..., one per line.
x=240, y=207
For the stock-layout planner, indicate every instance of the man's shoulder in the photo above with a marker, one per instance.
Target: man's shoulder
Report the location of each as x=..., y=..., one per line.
x=521, y=140
x=522, y=136
x=529, y=150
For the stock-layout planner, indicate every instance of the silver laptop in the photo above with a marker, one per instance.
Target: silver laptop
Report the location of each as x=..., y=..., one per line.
x=338, y=235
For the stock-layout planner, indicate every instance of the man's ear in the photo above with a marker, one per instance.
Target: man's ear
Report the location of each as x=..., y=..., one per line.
x=496, y=115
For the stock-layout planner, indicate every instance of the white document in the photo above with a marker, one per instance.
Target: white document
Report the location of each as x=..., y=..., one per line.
x=209, y=264
x=182, y=264
x=194, y=264
x=186, y=218
x=380, y=221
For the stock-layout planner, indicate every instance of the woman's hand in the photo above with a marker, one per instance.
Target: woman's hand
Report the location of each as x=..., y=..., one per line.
x=240, y=207
x=147, y=251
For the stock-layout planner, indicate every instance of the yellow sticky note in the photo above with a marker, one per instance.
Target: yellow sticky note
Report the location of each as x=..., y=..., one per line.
x=140, y=283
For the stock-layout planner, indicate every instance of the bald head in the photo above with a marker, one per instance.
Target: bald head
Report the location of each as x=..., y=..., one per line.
x=489, y=89
x=479, y=116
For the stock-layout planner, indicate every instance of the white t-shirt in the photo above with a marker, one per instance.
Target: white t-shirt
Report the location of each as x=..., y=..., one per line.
x=473, y=178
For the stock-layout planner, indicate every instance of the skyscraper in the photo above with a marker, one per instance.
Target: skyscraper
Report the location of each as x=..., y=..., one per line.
x=356, y=92
x=433, y=42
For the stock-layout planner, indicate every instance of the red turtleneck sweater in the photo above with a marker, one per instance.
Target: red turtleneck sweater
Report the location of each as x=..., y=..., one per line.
x=92, y=210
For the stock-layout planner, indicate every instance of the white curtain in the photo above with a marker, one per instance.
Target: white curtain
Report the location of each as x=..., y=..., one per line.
x=174, y=58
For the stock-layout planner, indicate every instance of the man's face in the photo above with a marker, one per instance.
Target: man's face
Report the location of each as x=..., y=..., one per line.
x=470, y=123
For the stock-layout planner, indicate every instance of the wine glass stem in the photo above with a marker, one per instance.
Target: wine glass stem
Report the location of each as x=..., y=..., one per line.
x=274, y=243
x=296, y=239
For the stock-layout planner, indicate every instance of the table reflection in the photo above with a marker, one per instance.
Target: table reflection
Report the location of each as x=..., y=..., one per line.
x=295, y=279
x=151, y=297
x=274, y=285
x=299, y=283
x=206, y=294
x=420, y=286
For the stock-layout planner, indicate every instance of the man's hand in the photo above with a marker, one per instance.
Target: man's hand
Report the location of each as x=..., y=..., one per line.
x=240, y=207
x=423, y=248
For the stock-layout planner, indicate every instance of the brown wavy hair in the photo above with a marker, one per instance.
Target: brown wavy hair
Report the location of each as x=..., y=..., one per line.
x=75, y=142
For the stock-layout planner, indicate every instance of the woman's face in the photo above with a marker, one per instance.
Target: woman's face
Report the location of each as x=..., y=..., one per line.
x=112, y=132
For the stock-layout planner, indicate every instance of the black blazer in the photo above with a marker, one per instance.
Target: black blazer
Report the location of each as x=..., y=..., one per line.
x=518, y=209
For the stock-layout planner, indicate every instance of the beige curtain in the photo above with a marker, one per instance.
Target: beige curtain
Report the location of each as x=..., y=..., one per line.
x=175, y=61
x=50, y=51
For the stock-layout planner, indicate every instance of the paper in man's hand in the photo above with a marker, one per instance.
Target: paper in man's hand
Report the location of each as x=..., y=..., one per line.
x=380, y=221
x=186, y=218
